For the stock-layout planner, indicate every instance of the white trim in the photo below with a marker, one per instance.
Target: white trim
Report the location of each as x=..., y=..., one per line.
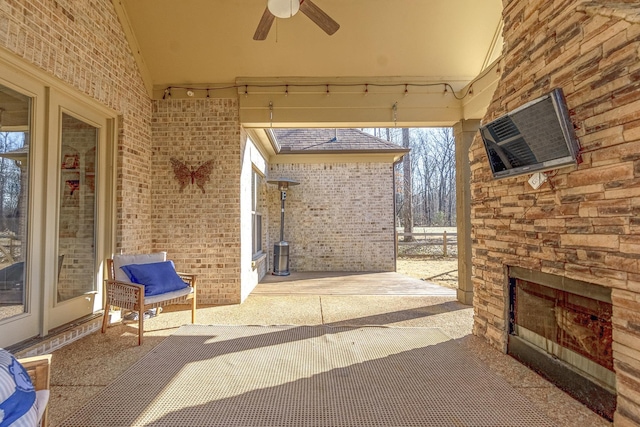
x=50, y=96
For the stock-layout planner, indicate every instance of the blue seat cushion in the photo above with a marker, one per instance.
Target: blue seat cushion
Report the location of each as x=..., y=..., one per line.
x=18, y=406
x=157, y=277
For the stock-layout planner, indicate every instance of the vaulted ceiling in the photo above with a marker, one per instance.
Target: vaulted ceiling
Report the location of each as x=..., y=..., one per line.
x=211, y=41
x=203, y=43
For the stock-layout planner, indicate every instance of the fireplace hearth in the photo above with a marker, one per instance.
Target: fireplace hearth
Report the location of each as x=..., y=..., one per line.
x=562, y=329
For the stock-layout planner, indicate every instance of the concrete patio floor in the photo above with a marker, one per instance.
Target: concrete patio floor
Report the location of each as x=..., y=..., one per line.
x=84, y=368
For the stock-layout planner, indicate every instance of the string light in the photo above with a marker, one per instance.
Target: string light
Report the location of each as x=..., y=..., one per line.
x=447, y=87
x=270, y=113
x=395, y=113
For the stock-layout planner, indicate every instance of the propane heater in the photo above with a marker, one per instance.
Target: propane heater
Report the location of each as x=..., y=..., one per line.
x=281, y=248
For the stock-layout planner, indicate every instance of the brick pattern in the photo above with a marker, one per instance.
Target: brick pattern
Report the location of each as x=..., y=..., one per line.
x=200, y=231
x=59, y=340
x=584, y=224
x=340, y=217
x=82, y=44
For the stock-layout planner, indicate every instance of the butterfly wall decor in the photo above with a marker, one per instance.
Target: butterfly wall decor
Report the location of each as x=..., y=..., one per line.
x=198, y=176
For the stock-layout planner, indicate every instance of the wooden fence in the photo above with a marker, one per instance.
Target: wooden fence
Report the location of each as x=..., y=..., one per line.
x=428, y=239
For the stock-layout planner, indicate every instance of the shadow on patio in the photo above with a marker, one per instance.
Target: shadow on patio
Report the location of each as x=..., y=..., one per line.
x=86, y=367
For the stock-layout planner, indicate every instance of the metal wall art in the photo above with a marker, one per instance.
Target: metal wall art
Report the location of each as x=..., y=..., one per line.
x=198, y=176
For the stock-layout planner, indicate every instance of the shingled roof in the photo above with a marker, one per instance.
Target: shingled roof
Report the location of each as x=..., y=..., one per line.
x=332, y=140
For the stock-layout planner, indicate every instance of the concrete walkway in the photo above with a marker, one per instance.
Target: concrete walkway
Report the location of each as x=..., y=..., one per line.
x=85, y=367
x=364, y=283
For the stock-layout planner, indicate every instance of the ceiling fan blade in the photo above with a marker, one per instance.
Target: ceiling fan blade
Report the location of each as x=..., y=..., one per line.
x=321, y=19
x=264, y=25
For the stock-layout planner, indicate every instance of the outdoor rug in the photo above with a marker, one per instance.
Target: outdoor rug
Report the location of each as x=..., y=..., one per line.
x=308, y=376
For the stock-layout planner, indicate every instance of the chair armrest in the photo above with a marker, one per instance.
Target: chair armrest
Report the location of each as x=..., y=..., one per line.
x=130, y=287
x=125, y=295
x=38, y=368
x=188, y=278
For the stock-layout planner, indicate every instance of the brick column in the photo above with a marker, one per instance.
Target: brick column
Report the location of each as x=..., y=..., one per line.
x=464, y=132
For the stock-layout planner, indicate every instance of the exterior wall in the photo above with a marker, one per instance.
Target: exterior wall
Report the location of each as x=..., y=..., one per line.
x=82, y=44
x=200, y=231
x=584, y=224
x=340, y=217
x=253, y=268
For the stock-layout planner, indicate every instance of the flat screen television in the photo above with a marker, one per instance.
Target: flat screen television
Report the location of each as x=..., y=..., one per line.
x=535, y=137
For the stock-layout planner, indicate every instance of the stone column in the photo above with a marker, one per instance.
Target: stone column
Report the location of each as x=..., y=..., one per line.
x=464, y=132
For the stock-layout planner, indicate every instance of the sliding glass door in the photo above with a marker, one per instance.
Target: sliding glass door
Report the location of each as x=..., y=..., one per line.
x=15, y=113
x=20, y=293
x=81, y=157
x=56, y=203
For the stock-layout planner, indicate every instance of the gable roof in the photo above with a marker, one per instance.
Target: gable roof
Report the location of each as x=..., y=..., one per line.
x=332, y=141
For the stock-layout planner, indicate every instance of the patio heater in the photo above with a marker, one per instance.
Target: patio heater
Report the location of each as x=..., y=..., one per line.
x=281, y=248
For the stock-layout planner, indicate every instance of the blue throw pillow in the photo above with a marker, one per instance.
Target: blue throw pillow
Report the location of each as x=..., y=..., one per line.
x=17, y=394
x=157, y=277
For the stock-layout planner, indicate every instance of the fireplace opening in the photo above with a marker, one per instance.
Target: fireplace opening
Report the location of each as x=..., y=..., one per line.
x=561, y=328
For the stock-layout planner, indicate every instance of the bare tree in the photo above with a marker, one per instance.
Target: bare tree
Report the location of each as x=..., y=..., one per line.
x=10, y=183
x=429, y=172
x=436, y=176
x=407, y=190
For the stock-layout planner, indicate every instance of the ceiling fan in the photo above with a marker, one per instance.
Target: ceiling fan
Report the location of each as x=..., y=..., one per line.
x=288, y=8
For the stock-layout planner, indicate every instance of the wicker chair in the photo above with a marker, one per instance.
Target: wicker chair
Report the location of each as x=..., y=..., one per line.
x=39, y=369
x=125, y=295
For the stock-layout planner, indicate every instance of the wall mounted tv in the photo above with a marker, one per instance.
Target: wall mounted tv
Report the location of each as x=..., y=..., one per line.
x=535, y=137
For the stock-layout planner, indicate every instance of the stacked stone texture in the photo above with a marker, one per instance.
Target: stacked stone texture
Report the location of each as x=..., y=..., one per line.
x=200, y=231
x=585, y=223
x=340, y=217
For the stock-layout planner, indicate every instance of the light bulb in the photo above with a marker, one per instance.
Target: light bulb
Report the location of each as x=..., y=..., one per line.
x=283, y=8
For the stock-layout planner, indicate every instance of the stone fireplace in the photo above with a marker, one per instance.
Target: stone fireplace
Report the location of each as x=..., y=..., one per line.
x=562, y=329
x=582, y=227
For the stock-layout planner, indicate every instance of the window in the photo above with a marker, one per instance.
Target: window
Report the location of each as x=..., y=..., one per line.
x=76, y=214
x=15, y=118
x=256, y=214
x=56, y=174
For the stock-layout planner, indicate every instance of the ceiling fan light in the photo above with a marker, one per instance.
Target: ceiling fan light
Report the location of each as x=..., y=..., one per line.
x=283, y=8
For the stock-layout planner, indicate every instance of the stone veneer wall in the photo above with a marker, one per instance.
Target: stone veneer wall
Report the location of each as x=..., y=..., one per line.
x=585, y=223
x=340, y=217
x=199, y=231
x=82, y=44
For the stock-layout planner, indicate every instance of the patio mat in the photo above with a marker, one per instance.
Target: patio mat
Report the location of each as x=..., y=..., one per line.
x=308, y=376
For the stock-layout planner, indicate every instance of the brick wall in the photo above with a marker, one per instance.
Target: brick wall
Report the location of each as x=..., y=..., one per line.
x=200, y=231
x=585, y=223
x=82, y=44
x=340, y=217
